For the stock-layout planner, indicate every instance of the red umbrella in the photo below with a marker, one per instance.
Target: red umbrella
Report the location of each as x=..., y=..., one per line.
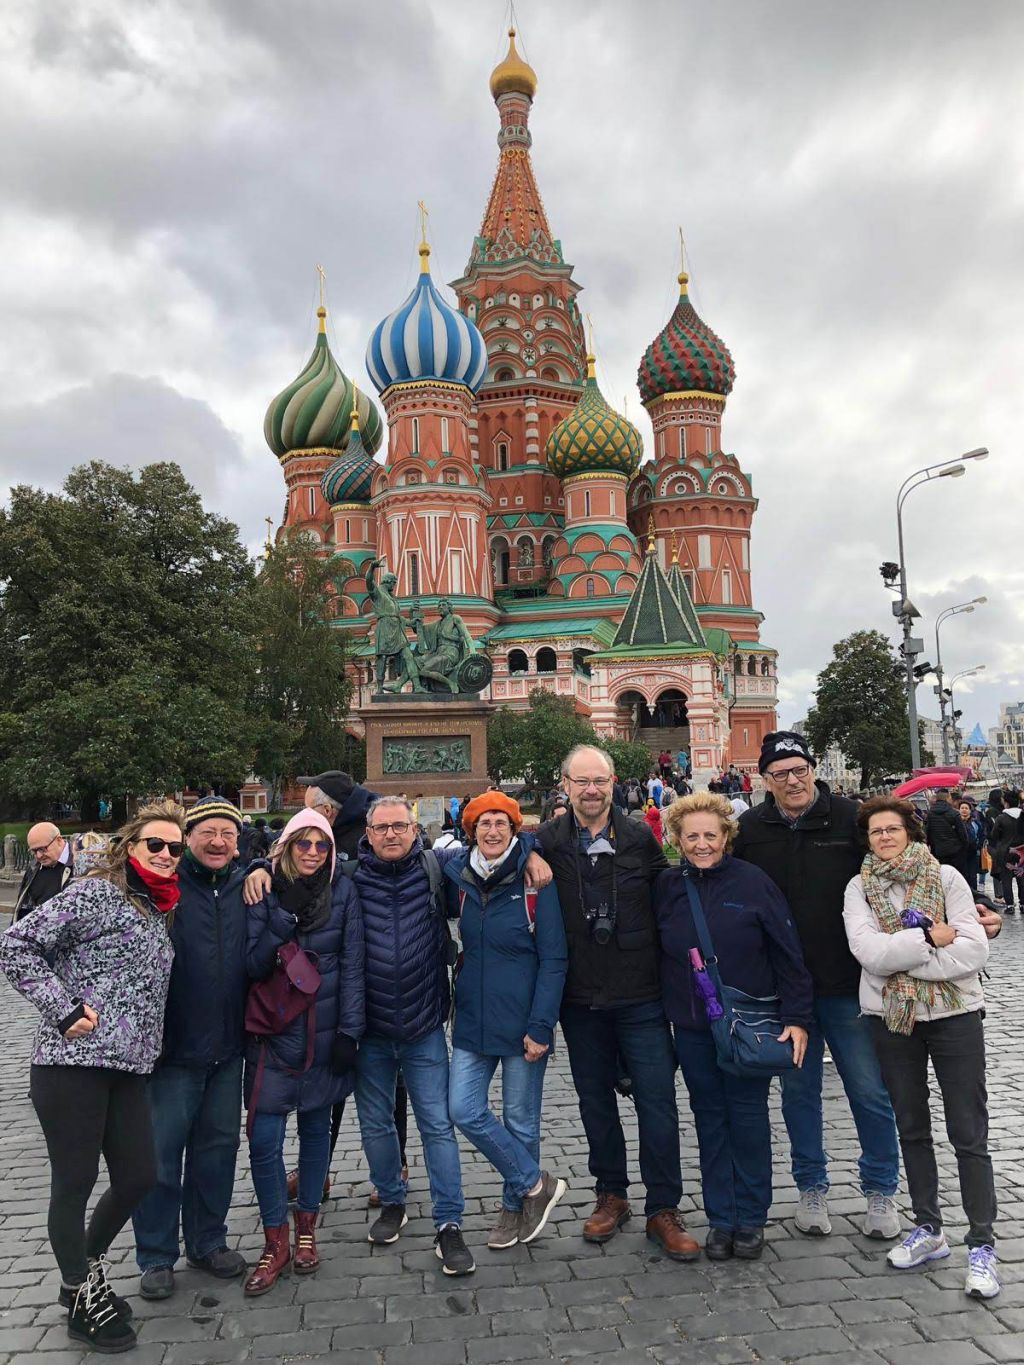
x=927, y=779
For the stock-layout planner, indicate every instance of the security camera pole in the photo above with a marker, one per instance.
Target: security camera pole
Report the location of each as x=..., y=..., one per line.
x=904, y=610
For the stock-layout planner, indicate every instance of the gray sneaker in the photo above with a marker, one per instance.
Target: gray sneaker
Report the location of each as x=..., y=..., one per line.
x=921, y=1245
x=505, y=1232
x=881, y=1220
x=537, y=1207
x=812, y=1213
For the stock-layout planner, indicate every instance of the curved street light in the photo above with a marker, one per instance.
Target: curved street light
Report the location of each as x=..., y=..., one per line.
x=959, y=610
x=964, y=673
x=905, y=609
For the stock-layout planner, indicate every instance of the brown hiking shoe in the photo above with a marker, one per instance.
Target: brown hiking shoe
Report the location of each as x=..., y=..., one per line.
x=669, y=1231
x=537, y=1207
x=610, y=1212
x=306, y=1258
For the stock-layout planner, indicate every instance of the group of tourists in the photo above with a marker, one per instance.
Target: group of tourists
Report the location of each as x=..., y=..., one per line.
x=174, y=980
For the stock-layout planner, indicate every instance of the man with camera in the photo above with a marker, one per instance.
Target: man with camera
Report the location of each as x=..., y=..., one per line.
x=605, y=865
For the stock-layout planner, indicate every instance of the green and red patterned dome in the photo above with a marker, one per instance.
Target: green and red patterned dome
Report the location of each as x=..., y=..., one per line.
x=686, y=356
x=315, y=411
x=349, y=477
x=594, y=438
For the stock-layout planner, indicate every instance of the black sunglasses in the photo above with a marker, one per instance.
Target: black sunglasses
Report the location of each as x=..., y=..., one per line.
x=156, y=845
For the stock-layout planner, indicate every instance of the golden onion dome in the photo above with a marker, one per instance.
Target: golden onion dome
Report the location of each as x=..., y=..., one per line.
x=513, y=75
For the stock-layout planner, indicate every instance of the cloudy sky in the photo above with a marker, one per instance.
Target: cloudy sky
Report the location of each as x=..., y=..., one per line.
x=849, y=177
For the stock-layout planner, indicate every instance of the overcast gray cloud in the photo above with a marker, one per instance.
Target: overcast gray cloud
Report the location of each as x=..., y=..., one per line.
x=849, y=177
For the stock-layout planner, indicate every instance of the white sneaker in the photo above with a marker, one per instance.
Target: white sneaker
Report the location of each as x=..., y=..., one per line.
x=982, y=1278
x=812, y=1213
x=881, y=1221
x=922, y=1245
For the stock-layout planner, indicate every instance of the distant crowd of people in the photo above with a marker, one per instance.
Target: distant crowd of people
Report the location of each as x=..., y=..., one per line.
x=192, y=966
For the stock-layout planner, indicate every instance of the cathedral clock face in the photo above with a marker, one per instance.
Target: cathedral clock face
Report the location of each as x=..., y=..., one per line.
x=529, y=355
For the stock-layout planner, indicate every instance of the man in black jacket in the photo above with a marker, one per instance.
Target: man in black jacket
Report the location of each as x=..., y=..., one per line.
x=604, y=866
x=945, y=833
x=806, y=839
x=49, y=870
x=344, y=802
x=195, y=1093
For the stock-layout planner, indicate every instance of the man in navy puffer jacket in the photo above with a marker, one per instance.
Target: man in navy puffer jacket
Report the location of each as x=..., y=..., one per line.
x=407, y=1003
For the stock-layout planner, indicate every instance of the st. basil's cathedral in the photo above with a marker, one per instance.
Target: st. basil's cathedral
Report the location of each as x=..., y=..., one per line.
x=512, y=488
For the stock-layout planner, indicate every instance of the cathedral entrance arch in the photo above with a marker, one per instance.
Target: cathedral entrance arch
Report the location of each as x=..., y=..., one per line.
x=670, y=710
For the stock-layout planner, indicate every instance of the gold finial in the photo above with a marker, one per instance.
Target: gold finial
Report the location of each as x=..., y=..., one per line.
x=591, y=357
x=321, y=312
x=354, y=419
x=682, y=277
x=267, y=546
x=650, y=534
x=512, y=75
x=424, y=247
x=675, y=547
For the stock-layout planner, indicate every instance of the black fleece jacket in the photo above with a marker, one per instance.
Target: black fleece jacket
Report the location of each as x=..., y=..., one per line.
x=811, y=864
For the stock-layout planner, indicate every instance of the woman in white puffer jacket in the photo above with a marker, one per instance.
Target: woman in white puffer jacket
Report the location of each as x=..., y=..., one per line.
x=913, y=927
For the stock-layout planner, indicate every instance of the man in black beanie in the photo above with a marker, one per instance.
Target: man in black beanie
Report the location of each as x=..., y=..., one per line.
x=342, y=801
x=805, y=838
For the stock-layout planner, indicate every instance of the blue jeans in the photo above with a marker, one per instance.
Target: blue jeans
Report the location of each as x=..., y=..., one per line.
x=640, y=1034
x=424, y=1064
x=266, y=1161
x=197, y=1114
x=838, y=1022
x=513, y=1145
x=734, y=1135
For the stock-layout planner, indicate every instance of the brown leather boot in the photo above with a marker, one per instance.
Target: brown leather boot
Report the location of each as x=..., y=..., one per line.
x=293, y=1187
x=610, y=1212
x=306, y=1259
x=669, y=1231
x=274, y=1262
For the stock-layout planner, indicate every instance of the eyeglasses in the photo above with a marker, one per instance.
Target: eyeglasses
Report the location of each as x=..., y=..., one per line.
x=601, y=783
x=41, y=848
x=229, y=836
x=321, y=845
x=501, y=825
x=889, y=830
x=799, y=773
x=399, y=827
x=155, y=845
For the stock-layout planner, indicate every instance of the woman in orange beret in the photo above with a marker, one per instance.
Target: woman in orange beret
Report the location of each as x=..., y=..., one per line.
x=507, y=997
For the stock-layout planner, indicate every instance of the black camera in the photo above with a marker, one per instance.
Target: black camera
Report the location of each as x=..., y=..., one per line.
x=602, y=923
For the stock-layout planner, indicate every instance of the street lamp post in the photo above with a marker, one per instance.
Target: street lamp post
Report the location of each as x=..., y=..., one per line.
x=962, y=608
x=905, y=610
x=965, y=673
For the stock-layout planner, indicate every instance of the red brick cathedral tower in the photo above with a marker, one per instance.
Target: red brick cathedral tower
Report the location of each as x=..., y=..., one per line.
x=520, y=292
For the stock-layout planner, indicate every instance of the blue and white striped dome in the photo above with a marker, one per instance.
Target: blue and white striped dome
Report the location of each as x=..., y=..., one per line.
x=426, y=338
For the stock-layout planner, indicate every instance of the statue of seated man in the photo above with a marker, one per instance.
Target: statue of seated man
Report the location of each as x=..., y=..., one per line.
x=440, y=648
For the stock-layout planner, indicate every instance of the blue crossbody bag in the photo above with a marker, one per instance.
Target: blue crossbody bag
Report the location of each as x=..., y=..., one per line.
x=747, y=1035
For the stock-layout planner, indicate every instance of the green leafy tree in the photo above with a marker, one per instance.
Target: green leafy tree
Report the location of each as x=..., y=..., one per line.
x=531, y=744
x=125, y=662
x=861, y=705
x=301, y=691
x=631, y=760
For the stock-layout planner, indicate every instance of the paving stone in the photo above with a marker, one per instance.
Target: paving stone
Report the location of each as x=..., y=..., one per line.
x=453, y=1328
x=567, y=1346
x=873, y=1310
x=1008, y=1348
x=737, y=1322
x=803, y=1315
x=497, y=1350
x=430, y=1353
x=798, y=1343
x=956, y=1326
x=950, y=1353
x=733, y=1352
x=878, y=1334
x=587, y=1315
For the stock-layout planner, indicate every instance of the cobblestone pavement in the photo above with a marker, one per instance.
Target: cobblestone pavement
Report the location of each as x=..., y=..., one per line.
x=812, y=1300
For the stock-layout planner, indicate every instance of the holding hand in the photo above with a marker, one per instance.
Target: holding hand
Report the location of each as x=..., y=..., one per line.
x=532, y=1051
x=83, y=1026
x=941, y=935
x=538, y=872
x=798, y=1037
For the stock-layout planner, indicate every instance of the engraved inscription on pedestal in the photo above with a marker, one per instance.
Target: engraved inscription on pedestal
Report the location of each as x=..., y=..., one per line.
x=419, y=754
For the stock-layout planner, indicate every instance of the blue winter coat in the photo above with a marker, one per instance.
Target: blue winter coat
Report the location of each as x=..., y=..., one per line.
x=752, y=932
x=407, y=993
x=511, y=979
x=340, y=1006
x=205, y=1019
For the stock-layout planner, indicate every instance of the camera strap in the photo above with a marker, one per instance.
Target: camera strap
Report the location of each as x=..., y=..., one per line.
x=585, y=903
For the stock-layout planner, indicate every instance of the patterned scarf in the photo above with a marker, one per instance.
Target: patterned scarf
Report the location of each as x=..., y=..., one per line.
x=918, y=871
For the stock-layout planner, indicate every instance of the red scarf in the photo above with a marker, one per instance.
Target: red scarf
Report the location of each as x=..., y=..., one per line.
x=164, y=892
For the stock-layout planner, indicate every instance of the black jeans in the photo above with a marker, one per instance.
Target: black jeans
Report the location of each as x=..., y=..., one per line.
x=595, y=1040
x=956, y=1046
x=83, y=1111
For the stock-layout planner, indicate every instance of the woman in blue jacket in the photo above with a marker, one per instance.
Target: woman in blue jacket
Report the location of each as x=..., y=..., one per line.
x=758, y=952
x=313, y=904
x=507, y=997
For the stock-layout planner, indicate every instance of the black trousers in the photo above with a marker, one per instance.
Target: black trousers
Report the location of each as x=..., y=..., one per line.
x=1004, y=883
x=956, y=1047
x=85, y=1111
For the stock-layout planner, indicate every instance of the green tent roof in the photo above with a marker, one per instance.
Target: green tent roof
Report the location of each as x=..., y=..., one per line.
x=654, y=617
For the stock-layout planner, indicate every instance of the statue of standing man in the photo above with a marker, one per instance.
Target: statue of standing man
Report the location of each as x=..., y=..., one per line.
x=390, y=638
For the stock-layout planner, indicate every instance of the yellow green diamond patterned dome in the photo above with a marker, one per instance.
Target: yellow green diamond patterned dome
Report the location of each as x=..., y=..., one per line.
x=594, y=438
